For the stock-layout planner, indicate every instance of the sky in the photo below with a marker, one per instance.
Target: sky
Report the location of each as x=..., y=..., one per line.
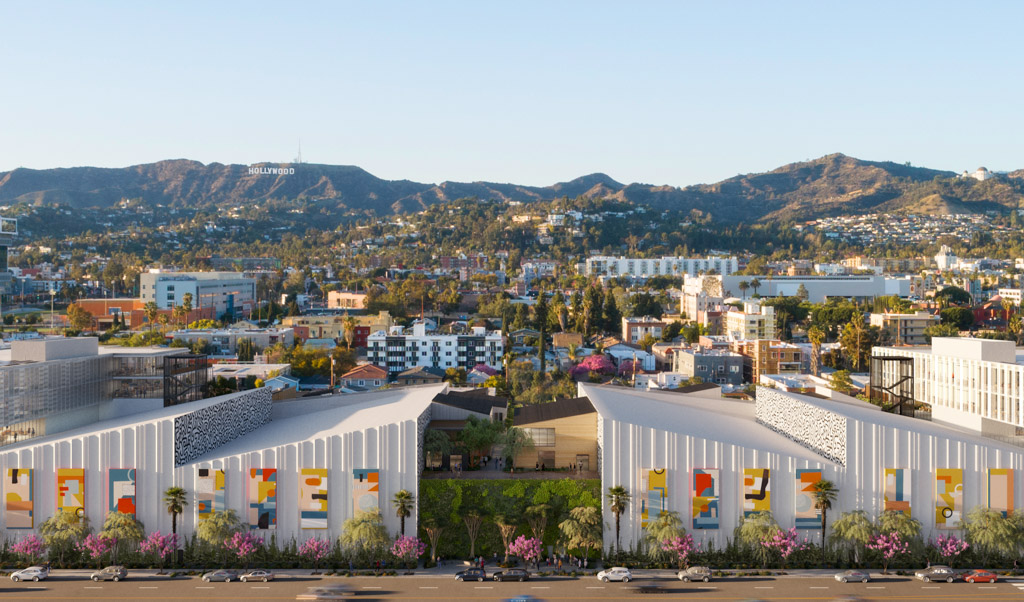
x=672, y=93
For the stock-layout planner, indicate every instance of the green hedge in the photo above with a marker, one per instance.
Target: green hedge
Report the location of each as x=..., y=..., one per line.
x=447, y=501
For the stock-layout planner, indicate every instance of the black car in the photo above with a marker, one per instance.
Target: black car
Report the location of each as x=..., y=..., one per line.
x=512, y=575
x=471, y=575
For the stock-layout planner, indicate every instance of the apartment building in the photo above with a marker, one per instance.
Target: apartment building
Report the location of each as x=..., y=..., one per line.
x=634, y=267
x=396, y=351
x=767, y=357
x=710, y=365
x=333, y=327
x=636, y=328
x=224, y=341
x=905, y=329
x=756, y=321
x=345, y=300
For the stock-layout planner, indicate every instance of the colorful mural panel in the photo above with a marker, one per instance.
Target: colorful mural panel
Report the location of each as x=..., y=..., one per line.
x=19, y=512
x=705, y=498
x=209, y=492
x=807, y=516
x=262, y=498
x=71, y=491
x=121, y=490
x=949, y=498
x=1000, y=490
x=654, y=492
x=365, y=489
x=313, y=498
x=896, y=490
x=757, y=492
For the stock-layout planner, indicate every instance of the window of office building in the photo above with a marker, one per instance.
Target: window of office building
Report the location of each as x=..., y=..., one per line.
x=541, y=437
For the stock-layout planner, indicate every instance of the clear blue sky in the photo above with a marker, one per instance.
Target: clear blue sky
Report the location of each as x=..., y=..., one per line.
x=528, y=92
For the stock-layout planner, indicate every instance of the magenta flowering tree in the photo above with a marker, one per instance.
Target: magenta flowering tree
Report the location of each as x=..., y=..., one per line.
x=680, y=547
x=888, y=545
x=315, y=550
x=485, y=369
x=950, y=547
x=527, y=548
x=628, y=367
x=31, y=548
x=96, y=546
x=598, y=364
x=407, y=549
x=160, y=546
x=243, y=545
x=784, y=543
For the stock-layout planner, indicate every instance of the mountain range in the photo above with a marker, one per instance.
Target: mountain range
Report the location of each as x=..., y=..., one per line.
x=832, y=185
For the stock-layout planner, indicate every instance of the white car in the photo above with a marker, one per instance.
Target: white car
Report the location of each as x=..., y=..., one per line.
x=616, y=573
x=32, y=573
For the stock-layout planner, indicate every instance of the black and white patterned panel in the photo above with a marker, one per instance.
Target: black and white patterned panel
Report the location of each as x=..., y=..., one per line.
x=817, y=429
x=421, y=431
x=202, y=431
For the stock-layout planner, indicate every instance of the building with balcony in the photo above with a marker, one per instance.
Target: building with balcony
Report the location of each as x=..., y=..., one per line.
x=640, y=268
x=346, y=300
x=763, y=356
x=636, y=328
x=905, y=329
x=756, y=321
x=396, y=351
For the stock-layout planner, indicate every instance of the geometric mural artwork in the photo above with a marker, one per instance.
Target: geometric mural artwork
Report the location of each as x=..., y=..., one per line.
x=1000, y=490
x=705, y=498
x=654, y=489
x=757, y=492
x=807, y=516
x=262, y=498
x=209, y=492
x=365, y=489
x=71, y=491
x=18, y=496
x=896, y=490
x=313, y=498
x=949, y=498
x=121, y=491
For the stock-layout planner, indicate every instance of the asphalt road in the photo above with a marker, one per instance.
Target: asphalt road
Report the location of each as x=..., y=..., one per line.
x=446, y=588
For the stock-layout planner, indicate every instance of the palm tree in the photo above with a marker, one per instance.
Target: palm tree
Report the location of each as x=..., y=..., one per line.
x=817, y=337
x=404, y=503
x=743, y=286
x=824, y=493
x=174, y=500
x=350, y=330
x=618, y=502
x=152, y=311
x=755, y=284
x=574, y=353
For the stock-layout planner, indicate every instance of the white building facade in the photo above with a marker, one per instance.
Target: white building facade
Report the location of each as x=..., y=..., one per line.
x=228, y=292
x=397, y=352
x=633, y=267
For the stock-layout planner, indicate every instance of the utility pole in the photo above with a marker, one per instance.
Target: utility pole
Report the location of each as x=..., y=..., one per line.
x=53, y=294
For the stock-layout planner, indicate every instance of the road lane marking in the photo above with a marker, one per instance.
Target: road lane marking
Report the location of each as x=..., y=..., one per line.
x=482, y=587
x=37, y=587
x=594, y=587
x=371, y=587
x=987, y=587
x=93, y=587
x=255, y=587
x=818, y=587
x=764, y=587
x=880, y=587
x=428, y=587
x=930, y=587
x=204, y=587
x=540, y=587
x=147, y=587
x=706, y=587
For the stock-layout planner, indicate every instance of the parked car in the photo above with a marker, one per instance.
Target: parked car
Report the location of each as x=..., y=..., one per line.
x=981, y=576
x=32, y=573
x=111, y=573
x=937, y=572
x=616, y=573
x=334, y=591
x=647, y=587
x=471, y=574
x=512, y=575
x=220, y=575
x=257, y=575
x=853, y=575
x=695, y=573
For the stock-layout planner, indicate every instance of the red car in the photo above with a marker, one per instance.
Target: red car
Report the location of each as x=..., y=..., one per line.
x=981, y=576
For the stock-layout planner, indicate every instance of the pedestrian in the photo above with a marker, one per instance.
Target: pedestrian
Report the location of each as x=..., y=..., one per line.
x=586, y=563
x=537, y=466
x=559, y=565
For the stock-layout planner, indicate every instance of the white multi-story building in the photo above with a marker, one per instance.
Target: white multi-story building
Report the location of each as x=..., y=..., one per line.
x=945, y=259
x=818, y=288
x=974, y=383
x=397, y=352
x=1013, y=295
x=533, y=270
x=632, y=267
x=228, y=292
x=755, y=322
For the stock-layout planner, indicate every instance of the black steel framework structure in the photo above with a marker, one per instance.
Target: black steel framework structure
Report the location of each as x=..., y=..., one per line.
x=892, y=384
x=184, y=378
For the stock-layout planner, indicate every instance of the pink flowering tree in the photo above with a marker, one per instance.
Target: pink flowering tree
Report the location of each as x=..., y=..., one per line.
x=407, y=549
x=680, y=547
x=243, y=545
x=628, y=367
x=485, y=369
x=784, y=543
x=96, y=546
x=598, y=364
x=315, y=550
x=30, y=548
x=527, y=548
x=888, y=545
x=951, y=547
x=160, y=546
